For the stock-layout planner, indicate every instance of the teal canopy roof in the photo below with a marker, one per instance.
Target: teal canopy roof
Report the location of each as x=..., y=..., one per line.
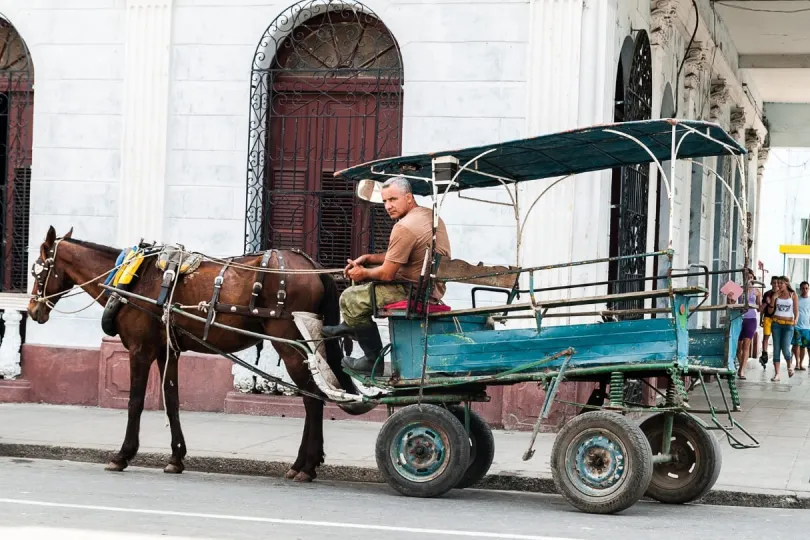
x=559, y=154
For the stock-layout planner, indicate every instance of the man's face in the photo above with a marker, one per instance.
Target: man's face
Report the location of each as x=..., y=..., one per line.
x=805, y=290
x=397, y=203
x=774, y=283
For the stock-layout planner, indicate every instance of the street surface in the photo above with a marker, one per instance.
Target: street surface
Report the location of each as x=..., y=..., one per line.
x=70, y=501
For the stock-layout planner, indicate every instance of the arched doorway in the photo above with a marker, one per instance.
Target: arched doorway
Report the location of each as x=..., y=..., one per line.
x=327, y=85
x=16, y=120
x=630, y=185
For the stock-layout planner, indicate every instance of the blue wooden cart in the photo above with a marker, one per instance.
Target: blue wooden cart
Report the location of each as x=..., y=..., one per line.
x=442, y=361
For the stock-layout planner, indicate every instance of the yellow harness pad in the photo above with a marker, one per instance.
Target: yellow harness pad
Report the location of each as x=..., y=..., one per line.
x=126, y=272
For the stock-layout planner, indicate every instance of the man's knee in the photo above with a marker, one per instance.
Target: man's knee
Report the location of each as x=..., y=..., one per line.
x=355, y=305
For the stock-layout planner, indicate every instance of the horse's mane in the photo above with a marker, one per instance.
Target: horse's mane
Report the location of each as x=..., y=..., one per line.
x=93, y=245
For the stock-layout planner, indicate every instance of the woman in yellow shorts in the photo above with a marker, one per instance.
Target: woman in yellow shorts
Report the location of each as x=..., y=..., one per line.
x=766, y=308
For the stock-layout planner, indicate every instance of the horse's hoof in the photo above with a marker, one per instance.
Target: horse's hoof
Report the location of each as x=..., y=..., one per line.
x=292, y=473
x=114, y=467
x=302, y=477
x=171, y=468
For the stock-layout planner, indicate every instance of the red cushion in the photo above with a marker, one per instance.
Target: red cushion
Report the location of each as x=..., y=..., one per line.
x=402, y=305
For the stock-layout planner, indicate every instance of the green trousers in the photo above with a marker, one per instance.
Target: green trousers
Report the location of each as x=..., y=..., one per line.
x=355, y=302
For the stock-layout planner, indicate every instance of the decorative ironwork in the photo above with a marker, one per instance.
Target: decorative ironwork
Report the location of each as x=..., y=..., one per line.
x=16, y=119
x=631, y=184
x=326, y=94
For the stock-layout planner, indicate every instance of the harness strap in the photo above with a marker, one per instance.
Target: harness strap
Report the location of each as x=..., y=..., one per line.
x=212, y=306
x=281, y=296
x=258, y=283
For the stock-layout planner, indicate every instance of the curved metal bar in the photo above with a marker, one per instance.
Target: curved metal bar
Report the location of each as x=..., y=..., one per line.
x=455, y=177
x=725, y=184
x=729, y=148
x=666, y=181
x=536, y=200
x=646, y=149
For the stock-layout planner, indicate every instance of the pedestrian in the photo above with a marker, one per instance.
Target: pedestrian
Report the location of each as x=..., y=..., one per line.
x=749, y=325
x=786, y=311
x=801, y=335
x=766, y=319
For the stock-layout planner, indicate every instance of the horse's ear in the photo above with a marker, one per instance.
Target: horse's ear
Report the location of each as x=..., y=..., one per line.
x=50, y=238
x=69, y=234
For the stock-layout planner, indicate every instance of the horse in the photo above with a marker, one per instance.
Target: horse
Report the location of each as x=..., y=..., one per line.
x=66, y=262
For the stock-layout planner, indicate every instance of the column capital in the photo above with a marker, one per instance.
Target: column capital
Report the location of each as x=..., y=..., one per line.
x=719, y=95
x=695, y=62
x=661, y=14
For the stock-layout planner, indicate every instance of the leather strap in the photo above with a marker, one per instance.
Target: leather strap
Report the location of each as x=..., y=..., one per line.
x=258, y=282
x=212, y=306
x=281, y=296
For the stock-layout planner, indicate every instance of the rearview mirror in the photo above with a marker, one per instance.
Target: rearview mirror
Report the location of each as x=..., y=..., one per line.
x=369, y=190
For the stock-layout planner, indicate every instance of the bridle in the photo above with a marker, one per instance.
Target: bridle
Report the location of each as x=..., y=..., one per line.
x=42, y=270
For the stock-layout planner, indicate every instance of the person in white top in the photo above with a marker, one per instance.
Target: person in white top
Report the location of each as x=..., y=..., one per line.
x=801, y=334
x=784, y=321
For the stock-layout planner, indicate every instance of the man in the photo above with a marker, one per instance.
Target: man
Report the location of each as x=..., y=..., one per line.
x=767, y=308
x=410, y=241
x=801, y=337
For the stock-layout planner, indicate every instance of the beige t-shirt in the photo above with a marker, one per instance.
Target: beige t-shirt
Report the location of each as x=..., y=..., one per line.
x=410, y=238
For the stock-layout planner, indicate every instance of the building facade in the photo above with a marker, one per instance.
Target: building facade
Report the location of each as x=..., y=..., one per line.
x=218, y=124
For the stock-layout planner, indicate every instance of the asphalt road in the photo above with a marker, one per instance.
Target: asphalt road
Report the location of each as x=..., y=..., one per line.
x=70, y=501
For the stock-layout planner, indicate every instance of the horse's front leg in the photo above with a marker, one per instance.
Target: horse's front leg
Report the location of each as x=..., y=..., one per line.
x=314, y=454
x=169, y=379
x=139, y=364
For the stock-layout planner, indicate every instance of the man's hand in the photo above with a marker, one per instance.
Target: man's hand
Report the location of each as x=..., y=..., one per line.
x=356, y=273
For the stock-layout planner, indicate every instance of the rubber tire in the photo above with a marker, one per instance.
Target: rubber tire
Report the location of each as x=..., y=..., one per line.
x=457, y=443
x=482, y=448
x=707, y=470
x=638, y=462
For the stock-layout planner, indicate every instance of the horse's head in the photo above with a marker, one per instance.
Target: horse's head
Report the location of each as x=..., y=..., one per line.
x=50, y=280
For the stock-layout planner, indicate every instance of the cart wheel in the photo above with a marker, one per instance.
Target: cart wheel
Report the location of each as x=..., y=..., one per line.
x=423, y=451
x=696, y=464
x=601, y=462
x=482, y=448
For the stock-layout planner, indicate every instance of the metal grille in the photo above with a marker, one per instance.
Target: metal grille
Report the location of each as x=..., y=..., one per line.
x=16, y=119
x=326, y=94
x=632, y=192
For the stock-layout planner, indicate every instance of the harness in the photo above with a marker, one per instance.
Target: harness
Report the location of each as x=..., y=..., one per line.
x=42, y=270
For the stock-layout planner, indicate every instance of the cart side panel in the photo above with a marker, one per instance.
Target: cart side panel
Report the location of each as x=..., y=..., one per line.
x=715, y=347
x=485, y=352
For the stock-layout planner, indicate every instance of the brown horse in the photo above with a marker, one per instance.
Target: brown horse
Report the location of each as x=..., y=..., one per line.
x=65, y=262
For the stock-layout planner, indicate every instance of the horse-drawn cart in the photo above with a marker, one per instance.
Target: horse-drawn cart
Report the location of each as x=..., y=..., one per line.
x=440, y=357
x=442, y=360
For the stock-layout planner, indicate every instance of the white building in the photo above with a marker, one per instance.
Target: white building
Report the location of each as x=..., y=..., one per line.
x=217, y=123
x=785, y=212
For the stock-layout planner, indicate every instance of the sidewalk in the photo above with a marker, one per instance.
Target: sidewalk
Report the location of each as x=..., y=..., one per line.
x=777, y=474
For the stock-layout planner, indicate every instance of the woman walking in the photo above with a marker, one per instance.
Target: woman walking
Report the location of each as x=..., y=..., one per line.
x=786, y=313
x=749, y=326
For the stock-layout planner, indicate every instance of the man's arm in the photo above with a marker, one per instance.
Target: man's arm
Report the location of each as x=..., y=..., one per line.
x=386, y=272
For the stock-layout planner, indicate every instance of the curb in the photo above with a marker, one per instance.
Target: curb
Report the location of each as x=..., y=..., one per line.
x=344, y=473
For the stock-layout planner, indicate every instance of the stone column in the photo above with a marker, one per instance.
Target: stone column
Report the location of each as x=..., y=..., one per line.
x=552, y=105
x=10, y=347
x=13, y=388
x=146, y=101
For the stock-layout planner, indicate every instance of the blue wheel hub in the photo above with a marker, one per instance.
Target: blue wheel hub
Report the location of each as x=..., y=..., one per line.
x=596, y=462
x=419, y=452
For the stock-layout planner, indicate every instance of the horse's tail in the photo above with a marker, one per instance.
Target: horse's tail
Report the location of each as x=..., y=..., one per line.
x=330, y=311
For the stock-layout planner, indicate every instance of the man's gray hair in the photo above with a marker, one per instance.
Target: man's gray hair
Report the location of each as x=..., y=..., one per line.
x=399, y=181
